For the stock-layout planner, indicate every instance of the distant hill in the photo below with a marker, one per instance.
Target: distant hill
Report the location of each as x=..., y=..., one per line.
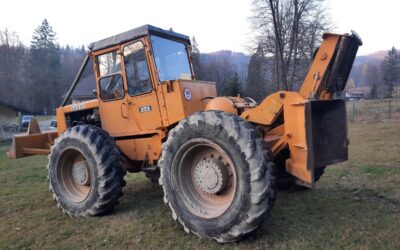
x=375, y=56
x=363, y=67
x=238, y=62
x=238, y=58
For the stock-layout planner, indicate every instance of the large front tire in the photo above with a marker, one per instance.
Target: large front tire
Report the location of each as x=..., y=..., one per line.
x=217, y=176
x=85, y=171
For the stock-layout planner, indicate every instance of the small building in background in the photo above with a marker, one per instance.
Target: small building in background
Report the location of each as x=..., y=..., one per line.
x=357, y=94
x=9, y=113
x=10, y=118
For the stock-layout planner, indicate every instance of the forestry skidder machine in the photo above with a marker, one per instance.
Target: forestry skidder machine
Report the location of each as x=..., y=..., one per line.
x=218, y=159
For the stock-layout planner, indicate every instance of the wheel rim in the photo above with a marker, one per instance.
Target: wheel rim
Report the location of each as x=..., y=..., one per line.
x=204, y=178
x=74, y=175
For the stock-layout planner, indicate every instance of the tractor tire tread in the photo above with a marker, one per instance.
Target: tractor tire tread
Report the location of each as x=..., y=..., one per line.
x=242, y=135
x=110, y=172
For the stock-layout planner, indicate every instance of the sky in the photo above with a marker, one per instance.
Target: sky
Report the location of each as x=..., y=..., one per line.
x=216, y=24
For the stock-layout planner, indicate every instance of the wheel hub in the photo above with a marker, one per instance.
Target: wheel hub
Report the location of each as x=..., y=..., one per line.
x=80, y=173
x=211, y=176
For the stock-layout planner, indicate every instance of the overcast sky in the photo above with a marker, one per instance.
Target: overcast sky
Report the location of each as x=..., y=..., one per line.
x=216, y=24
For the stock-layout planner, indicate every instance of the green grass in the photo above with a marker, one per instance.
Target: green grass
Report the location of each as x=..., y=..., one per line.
x=40, y=118
x=355, y=205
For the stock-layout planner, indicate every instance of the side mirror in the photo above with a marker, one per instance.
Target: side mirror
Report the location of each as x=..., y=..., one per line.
x=94, y=92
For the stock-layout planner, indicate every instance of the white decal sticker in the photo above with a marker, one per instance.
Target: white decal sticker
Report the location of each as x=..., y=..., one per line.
x=145, y=109
x=187, y=94
x=78, y=106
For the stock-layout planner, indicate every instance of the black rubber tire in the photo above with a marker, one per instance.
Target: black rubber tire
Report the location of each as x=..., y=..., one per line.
x=255, y=191
x=286, y=181
x=153, y=176
x=106, y=170
x=318, y=173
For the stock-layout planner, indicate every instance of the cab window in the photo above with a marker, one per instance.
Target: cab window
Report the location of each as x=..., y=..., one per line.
x=109, y=63
x=171, y=59
x=110, y=84
x=137, y=72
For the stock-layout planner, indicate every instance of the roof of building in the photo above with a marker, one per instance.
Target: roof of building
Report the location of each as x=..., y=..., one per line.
x=84, y=88
x=15, y=108
x=136, y=33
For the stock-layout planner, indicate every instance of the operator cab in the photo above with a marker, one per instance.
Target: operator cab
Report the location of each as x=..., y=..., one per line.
x=170, y=54
x=146, y=74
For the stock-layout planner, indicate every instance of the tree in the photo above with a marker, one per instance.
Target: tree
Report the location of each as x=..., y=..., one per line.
x=351, y=84
x=289, y=31
x=71, y=60
x=256, y=76
x=11, y=67
x=44, y=68
x=220, y=68
x=372, y=76
x=374, y=91
x=390, y=70
x=196, y=59
x=233, y=86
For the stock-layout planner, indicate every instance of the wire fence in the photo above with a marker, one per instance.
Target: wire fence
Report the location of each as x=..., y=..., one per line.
x=376, y=110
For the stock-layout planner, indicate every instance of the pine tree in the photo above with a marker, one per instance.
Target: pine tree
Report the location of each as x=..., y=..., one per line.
x=44, y=68
x=256, y=80
x=233, y=86
x=373, y=94
x=11, y=66
x=196, y=60
x=390, y=69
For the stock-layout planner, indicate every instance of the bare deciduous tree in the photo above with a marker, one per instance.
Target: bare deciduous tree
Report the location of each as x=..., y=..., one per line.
x=289, y=31
x=11, y=65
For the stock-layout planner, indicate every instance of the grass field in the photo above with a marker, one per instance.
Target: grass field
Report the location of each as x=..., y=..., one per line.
x=355, y=205
x=374, y=110
x=40, y=118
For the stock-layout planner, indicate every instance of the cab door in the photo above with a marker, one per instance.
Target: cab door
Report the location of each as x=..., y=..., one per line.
x=129, y=104
x=143, y=102
x=113, y=108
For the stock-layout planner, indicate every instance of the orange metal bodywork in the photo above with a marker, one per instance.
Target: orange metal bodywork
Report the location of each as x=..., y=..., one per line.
x=140, y=134
x=292, y=133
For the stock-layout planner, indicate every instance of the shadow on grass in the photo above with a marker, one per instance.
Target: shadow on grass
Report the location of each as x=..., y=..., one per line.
x=140, y=195
x=308, y=218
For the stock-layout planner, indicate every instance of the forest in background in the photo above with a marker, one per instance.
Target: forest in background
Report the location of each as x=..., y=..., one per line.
x=285, y=35
x=34, y=78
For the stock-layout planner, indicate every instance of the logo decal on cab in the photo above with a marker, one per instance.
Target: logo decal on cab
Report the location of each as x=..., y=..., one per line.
x=187, y=94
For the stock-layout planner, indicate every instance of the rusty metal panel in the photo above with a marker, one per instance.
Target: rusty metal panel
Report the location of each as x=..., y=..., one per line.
x=31, y=144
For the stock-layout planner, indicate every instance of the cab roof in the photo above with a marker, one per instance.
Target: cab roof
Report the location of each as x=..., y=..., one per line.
x=136, y=33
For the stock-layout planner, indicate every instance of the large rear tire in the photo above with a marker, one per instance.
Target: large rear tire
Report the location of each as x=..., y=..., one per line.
x=85, y=171
x=217, y=176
